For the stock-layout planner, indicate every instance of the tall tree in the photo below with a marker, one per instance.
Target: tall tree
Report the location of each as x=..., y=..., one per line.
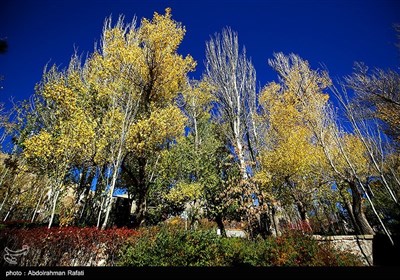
x=233, y=78
x=114, y=71
x=60, y=132
x=291, y=159
x=198, y=170
x=162, y=76
x=377, y=93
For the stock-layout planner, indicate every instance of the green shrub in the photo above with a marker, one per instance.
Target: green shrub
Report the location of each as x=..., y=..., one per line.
x=172, y=247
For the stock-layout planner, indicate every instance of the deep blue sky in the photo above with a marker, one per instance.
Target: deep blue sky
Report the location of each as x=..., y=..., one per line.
x=335, y=33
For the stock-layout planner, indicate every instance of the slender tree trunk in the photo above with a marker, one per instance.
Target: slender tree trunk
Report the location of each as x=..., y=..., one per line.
x=358, y=211
x=82, y=181
x=9, y=210
x=240, y=152
x=111, y=191
x=129, y=114
x=141, y=207
x=196, y=133
x=97, y=198
x=8, y=213
x=250, y=146
x=37, y=207
x=54, y=204
x=80, y=195
x=85, y=195
x=116, y=165
x=100, y=212
x=83, y=210
x=5, y=199
x=3, y=175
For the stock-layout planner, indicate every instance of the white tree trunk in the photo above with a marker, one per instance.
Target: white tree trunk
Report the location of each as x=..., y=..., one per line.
x=241, y=158
x=4, y=200
x=9, y=211
x=111, y=191
x=37, y=207
x=53, y=207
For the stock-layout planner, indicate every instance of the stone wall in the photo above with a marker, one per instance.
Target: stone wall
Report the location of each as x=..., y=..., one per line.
x=360, y=245
x=233, y=233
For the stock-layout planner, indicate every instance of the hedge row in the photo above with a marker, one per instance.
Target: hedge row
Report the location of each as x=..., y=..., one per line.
x=165, y=246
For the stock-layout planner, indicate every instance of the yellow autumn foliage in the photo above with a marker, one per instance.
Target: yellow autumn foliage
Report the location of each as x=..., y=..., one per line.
x=148, y=134
x=356, y=154
x=39, y=146
x=134, y=60
x=161, y=38
x=134, y=65
x=198, y=99
x=292, y=108
x=184, y=192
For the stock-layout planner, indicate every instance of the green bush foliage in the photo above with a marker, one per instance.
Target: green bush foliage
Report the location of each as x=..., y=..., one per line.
x=172, y=246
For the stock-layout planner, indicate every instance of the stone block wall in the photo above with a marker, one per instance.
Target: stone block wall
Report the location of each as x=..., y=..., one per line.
x=360, y=245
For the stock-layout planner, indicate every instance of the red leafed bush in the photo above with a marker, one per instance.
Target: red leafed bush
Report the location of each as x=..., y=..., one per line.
x=68, y=246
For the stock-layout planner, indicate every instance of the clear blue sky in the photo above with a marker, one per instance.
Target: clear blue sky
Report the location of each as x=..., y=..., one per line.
x=335, y=33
